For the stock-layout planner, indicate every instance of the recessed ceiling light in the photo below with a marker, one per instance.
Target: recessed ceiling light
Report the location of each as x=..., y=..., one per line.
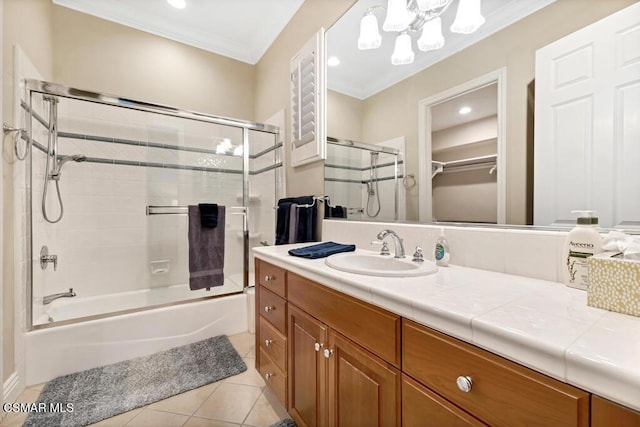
x=178, y=4
x=464, y=110
x=333, y=61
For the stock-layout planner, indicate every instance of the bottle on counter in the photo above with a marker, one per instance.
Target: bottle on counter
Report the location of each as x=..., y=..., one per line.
x=583, y=241
x=442, y=250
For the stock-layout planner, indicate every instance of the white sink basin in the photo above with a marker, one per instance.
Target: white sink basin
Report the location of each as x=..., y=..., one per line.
x=380, y=265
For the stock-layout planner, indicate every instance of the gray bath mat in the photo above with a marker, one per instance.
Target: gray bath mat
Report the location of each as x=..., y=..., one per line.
x=110, y=390
x=287, y=422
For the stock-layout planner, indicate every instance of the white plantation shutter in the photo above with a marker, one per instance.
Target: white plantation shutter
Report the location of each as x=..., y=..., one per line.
x=307, y=102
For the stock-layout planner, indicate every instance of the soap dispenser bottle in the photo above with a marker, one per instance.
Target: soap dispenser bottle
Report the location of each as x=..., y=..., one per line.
x=583, y=241
x=442, y=250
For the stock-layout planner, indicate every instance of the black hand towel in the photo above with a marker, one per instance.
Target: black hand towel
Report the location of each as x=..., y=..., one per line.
x=208, y=215
x=321, y=250
x=307, y=229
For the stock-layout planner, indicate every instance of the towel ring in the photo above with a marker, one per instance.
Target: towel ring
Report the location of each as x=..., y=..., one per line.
x=409, y=181
x=18, y=133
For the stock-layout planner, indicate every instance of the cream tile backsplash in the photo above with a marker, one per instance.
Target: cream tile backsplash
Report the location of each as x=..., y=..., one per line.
x=529, y=253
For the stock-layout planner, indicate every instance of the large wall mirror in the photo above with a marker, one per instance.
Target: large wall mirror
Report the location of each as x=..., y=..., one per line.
x=487, y=159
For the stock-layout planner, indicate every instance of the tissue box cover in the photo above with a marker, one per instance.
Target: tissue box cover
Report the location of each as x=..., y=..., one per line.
x=614, y=284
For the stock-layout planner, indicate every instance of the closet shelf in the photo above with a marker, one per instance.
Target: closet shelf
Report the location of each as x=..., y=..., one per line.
x=464, y=164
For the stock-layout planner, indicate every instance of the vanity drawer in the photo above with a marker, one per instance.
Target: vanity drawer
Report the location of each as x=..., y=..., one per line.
x=420, y=404
x=273, y=376
x=273, y=308
x=274, y=344
x=372, y=327
x=502, y=393
x=271, y=277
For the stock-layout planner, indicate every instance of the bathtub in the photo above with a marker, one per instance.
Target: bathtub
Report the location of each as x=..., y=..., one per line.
x=64, y=309
x=60, y=350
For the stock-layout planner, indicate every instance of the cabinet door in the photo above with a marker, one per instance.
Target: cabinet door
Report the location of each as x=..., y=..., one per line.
x=422, y=408
x=307, y=368
x=363, y=390
x=608, y=414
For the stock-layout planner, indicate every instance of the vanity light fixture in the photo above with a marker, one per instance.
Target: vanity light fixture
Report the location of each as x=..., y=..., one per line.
x=413, y=16
x=178, y=4
x=464, y=110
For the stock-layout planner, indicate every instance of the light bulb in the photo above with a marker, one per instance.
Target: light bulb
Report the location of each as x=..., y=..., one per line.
x=402, y=52
x=425, y=5
x=369, y=34
x=468, y=18
x=431, y=38
x=464, y=110
x=398, y=17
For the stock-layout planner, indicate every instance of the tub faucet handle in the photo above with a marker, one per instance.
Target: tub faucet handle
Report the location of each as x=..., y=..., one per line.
x=45, y=258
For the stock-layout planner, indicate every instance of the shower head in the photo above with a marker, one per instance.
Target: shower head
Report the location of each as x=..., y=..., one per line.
x=55, y=174
x=76, y=158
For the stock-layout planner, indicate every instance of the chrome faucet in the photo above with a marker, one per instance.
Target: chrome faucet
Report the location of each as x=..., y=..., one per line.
x=397, y=242
x=46, y=300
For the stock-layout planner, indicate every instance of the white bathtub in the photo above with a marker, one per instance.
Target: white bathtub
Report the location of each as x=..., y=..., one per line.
x=76, y=307
x=64, y=349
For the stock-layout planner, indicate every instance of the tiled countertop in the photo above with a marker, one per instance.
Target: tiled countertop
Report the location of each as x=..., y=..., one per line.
x=540, y=324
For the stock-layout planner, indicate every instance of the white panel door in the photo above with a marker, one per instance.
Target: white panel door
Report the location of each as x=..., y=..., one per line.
x=587, y=124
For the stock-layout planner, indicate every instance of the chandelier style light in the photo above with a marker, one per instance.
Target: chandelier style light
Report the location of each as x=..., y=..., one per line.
x=412, y=16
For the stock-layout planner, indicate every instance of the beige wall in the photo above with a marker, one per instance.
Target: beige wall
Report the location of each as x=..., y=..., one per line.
x=26, y=23
x=514, y=48
x=272, y=80
x=95, y=54
x=344, y=116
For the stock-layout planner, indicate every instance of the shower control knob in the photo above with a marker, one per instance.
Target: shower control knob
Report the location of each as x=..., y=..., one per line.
x=269, y=308
x=464, y=383
x=268, y=376
x=318, y=346
x=268, y=278
x=267, y=343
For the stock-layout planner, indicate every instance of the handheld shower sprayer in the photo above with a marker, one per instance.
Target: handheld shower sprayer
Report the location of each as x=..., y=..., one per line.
x=373, y=195
x=52, y=172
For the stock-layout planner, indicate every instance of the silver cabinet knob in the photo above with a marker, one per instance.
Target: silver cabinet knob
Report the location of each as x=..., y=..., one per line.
x=268, y=376
x=267, y=343
x=268, y=278
x=464, y=383
x=269, y=308
x=318, y=346
x=327, y=353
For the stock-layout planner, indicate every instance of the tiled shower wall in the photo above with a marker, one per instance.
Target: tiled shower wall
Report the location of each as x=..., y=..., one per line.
x=105, y=242
x=346, y=184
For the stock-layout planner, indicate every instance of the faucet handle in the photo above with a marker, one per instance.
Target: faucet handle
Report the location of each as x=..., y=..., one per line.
x=385, y=247
x=54, y=259
x=417, y=255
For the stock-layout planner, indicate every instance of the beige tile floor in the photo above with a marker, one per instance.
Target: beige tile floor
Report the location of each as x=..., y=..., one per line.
x=241, y=400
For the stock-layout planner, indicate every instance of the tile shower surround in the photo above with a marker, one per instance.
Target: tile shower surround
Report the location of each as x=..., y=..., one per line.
x=530, y=253
x=105, y=235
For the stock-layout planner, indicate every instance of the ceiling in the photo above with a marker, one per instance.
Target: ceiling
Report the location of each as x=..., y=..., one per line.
x=365, y=73
x=244, y=30
x=239, y=29
x=483, y=103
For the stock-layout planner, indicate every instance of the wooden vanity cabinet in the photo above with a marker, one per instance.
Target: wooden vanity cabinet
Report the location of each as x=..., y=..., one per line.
x=334, y=360
x=608, y=414
x=337, y=376
x=271, y=327
x=492, y=389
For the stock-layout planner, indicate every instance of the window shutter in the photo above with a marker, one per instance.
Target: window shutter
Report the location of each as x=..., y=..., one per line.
x=307, y=102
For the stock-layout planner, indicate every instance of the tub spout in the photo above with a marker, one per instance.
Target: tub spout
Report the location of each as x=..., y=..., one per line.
x=49, y=298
